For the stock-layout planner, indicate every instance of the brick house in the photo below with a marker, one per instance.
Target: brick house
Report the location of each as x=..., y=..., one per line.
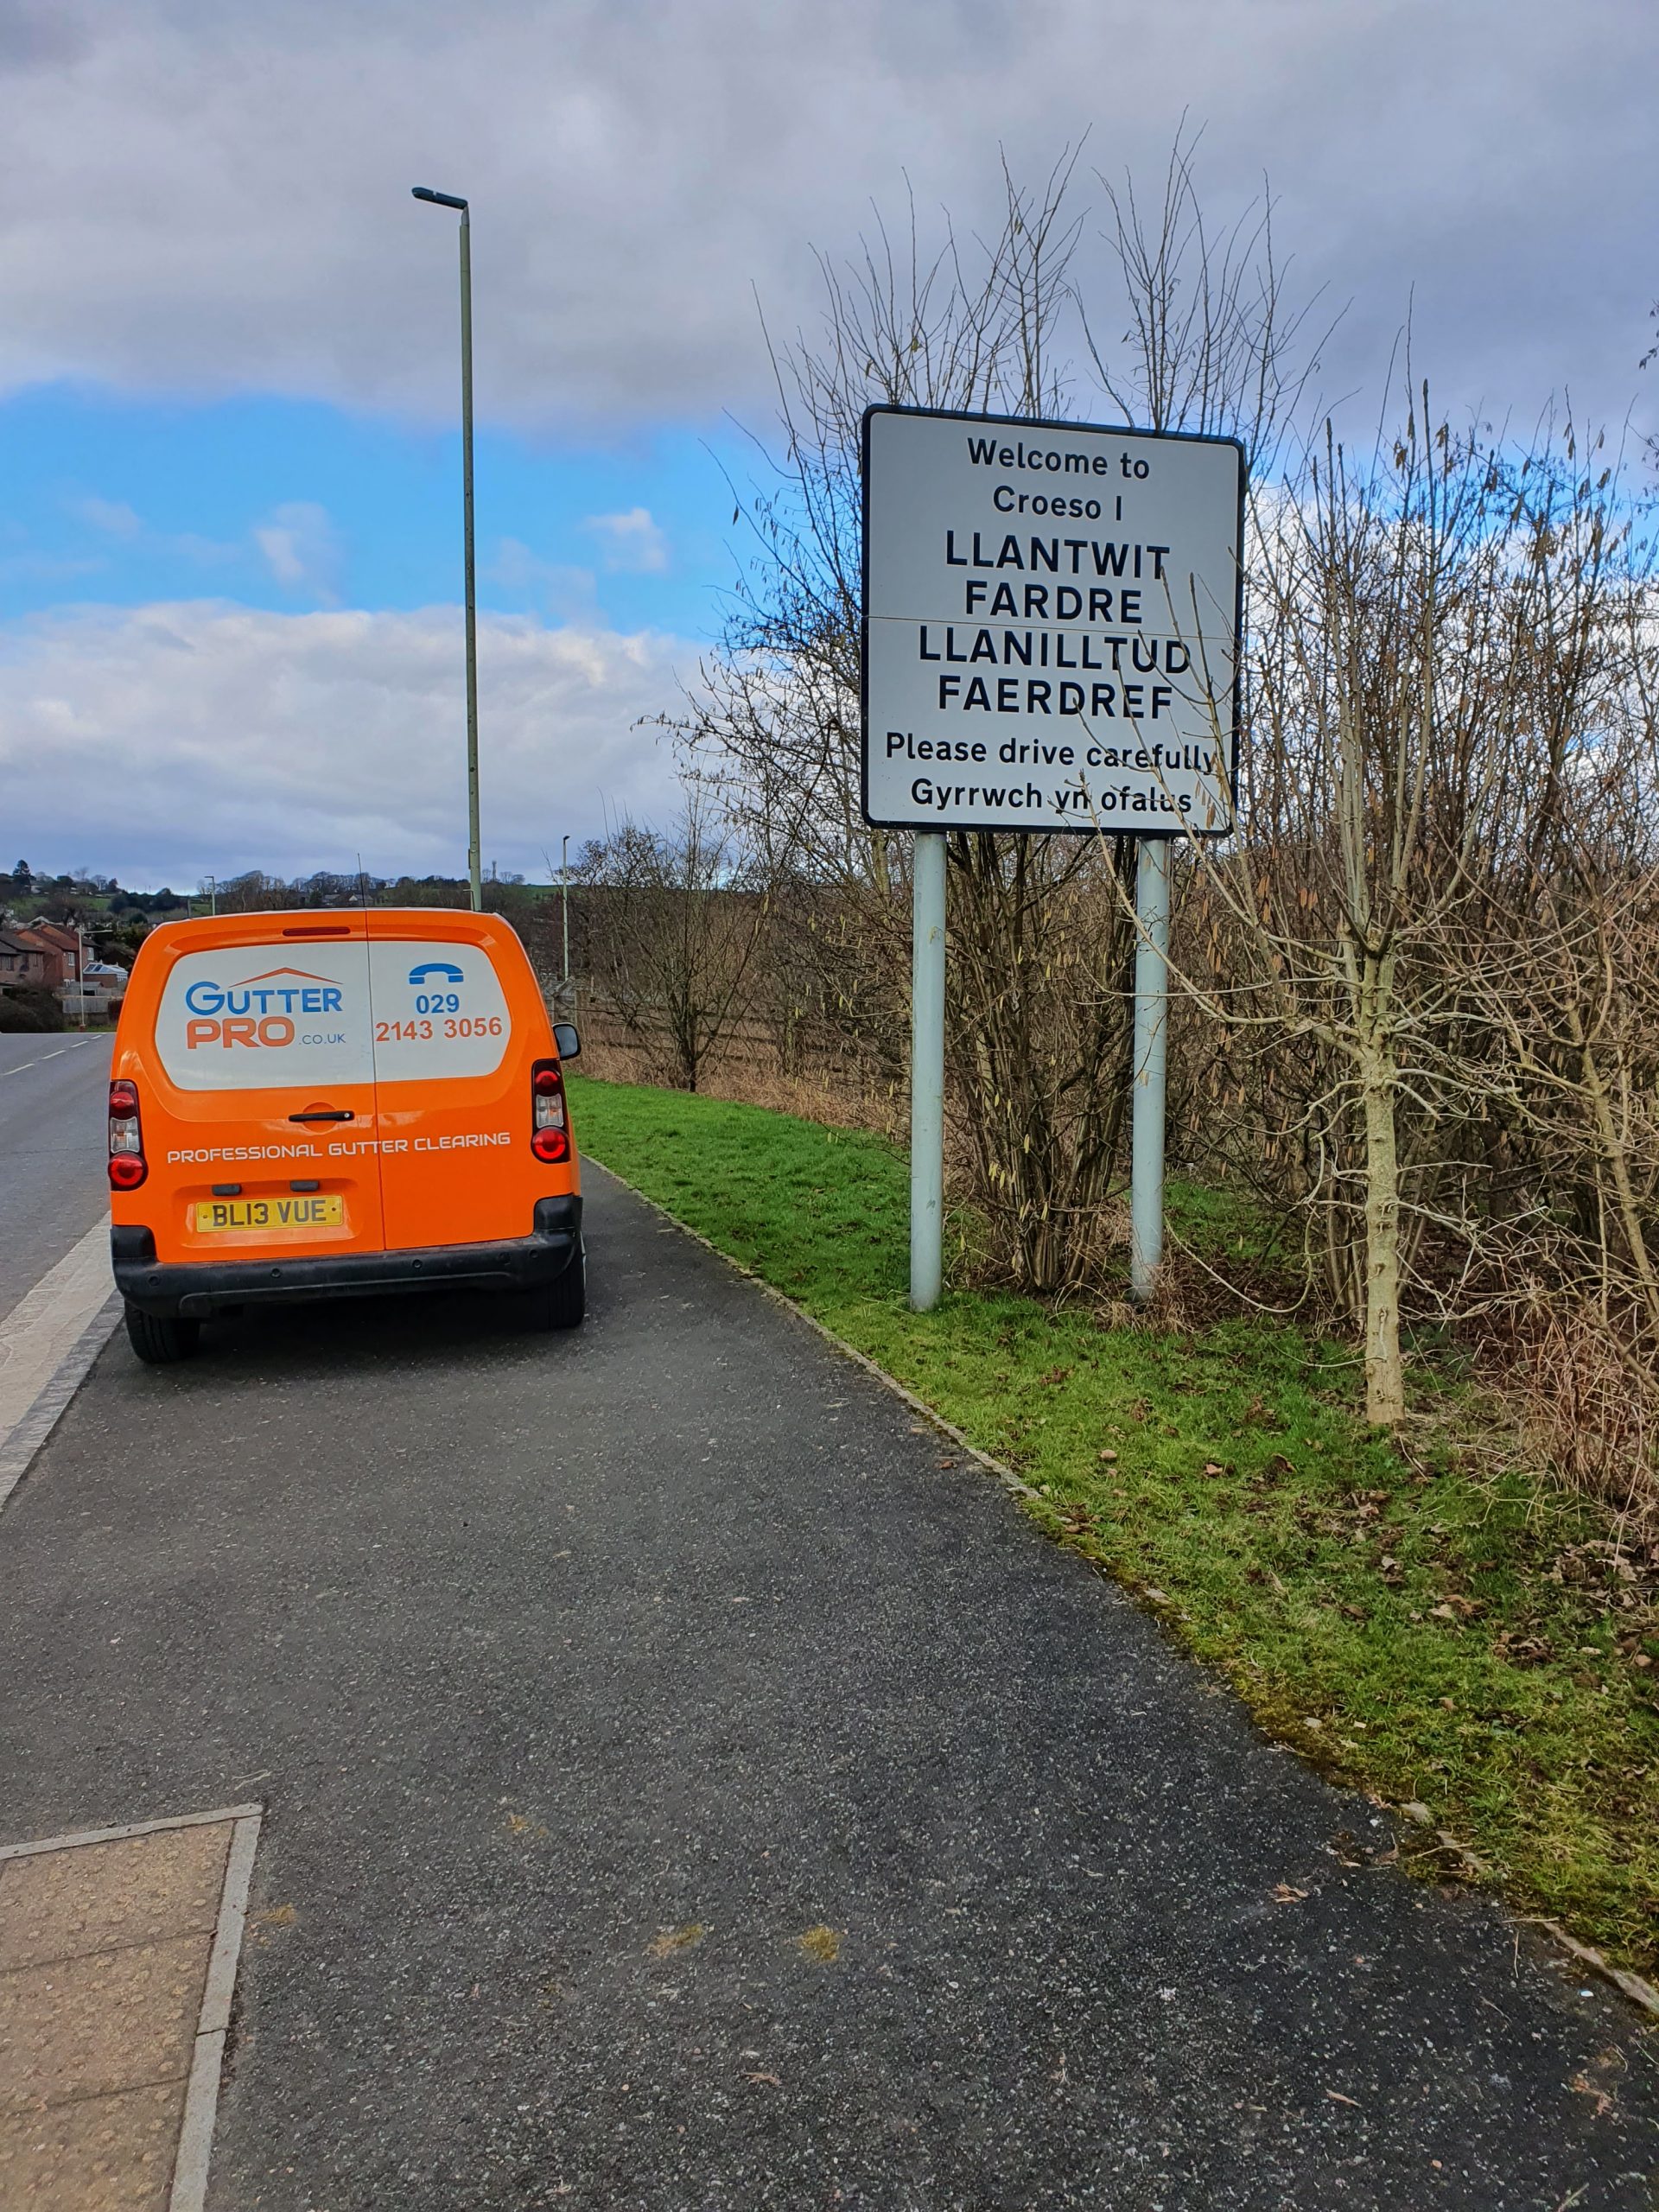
x=24, y=964
x=61, y=947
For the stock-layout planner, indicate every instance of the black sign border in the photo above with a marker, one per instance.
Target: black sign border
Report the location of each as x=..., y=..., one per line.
x=1038, y=422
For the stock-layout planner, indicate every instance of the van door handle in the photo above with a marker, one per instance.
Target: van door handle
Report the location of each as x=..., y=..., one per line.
x=327, y=1114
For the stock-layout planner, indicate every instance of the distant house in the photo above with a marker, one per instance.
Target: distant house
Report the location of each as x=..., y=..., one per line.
x=24, y=965
x=64, y=942
x=59, y=948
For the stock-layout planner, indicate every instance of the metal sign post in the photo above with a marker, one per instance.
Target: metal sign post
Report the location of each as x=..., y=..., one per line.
x=1049, y=638
x=927, y=1073
x=1151, y=1057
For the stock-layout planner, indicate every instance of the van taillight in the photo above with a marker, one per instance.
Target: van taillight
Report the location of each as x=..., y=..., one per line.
x=128, y=1167
x=549, y=1139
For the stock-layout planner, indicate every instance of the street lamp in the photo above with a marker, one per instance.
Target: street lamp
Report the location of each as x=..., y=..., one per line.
x=565, y=900
x=448, y=200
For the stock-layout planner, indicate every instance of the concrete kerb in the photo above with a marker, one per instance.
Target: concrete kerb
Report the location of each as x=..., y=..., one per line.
x=21, y=1446
x=207, y=2066
x=1639, y=1991
x=132, y=1829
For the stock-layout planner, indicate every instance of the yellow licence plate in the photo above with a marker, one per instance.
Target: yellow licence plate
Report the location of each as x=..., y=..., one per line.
x=327, y=1210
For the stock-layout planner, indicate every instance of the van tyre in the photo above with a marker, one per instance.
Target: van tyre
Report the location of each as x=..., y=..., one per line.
x=562, y=1303
x=161, y=1340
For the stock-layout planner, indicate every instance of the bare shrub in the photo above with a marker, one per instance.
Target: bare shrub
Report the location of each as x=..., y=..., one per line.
x=673, y=929
x=1591, y=1410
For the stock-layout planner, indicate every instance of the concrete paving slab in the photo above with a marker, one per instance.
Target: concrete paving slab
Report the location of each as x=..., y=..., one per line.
x=112, y=2019
x=98, y=2154
x=60, y=1905
x=117, y=1962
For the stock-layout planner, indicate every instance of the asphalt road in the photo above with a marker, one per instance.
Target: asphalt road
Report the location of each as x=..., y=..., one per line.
x=53, y=1140
x=583, y=1678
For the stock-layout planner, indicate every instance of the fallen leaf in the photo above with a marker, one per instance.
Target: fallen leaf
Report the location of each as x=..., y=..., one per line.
x=771, y=2080
x=822, y=1945
x=1603, y=2103
x=1285, y=1894
x=1336, y=2097
x=676, y=1939
x=280, y=1916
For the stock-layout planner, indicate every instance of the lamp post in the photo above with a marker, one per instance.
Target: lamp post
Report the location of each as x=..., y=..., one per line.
x=448, y=199
x=564, y=901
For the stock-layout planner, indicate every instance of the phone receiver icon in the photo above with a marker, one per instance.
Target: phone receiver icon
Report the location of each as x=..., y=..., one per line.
x=444, y=970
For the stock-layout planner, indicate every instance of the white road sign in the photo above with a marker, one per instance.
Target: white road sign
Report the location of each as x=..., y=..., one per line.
x=1051, y=625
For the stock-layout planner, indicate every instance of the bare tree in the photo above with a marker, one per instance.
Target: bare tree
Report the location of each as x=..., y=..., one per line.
x=674, y=917
x=1433, y=676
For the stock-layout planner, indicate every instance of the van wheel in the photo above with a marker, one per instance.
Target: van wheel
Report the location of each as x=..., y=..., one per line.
x=160, y=1339
x=561, y=1304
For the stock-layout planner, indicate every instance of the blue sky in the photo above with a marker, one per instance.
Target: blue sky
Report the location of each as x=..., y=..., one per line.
x=289, y=503
x=230, y=633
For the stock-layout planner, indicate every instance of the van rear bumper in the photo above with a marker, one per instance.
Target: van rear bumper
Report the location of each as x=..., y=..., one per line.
x=194, y=1290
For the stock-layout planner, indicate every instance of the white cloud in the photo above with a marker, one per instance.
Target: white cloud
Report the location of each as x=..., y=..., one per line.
x=633, y=543
x=113, y=517
x=49, y=567
x=209, y=197
x=171, y=742
x=570, y=594
x=298, y=543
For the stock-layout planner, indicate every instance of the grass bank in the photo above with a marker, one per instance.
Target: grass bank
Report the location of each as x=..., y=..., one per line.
x=1451, y=1635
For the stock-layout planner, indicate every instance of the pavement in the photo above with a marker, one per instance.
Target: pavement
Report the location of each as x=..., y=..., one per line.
x=686, y=1785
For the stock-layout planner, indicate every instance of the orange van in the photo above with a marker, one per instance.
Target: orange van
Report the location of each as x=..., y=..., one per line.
x=336, y=1105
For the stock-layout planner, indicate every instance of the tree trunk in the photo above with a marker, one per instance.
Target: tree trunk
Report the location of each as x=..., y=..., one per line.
x=1385, y=1379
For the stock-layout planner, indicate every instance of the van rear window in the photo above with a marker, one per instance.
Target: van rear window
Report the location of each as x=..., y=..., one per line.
x=250, y=1017
x=266, y=1016
x=439, y=1010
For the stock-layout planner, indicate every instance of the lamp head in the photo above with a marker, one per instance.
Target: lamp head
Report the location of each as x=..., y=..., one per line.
x=438, y=199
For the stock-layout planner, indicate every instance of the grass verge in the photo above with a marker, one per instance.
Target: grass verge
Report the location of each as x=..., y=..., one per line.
x=1455, y=1638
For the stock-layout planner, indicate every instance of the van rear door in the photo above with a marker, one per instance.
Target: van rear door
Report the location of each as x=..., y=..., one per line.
x=452, y=1077
x=263, y=1111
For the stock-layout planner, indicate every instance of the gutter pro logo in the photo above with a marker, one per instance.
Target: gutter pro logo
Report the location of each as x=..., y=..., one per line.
x=260, y=1010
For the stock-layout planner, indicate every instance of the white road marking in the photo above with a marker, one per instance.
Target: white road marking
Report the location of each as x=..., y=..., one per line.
x=58, y=1055
x=21, y=1065
x=41, y=1333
